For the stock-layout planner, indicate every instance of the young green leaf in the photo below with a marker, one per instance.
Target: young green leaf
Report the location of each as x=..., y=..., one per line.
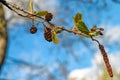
x=31, y=5
x=55, y=38
x=98, y=33
x=77, y=18
x=41, y=13
x=82, y=27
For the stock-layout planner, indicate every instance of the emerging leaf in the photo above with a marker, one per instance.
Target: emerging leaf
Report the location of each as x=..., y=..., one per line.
x=82, y=27
x=98, y=33
x=77, y=18
x=31, y=5
x=55, y=38
x=41, y=13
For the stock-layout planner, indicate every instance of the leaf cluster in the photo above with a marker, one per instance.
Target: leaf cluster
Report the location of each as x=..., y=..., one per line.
x=80, y=25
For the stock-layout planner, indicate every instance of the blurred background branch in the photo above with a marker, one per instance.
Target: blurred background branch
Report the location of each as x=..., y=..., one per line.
x=3, y=36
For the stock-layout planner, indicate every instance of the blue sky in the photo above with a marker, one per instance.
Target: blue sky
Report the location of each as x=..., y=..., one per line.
x=33, y=48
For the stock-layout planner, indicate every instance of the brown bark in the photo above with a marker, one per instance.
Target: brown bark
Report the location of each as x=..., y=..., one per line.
x=3, y=36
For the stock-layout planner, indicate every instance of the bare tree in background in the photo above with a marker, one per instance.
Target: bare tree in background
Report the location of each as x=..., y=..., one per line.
x=3, y=36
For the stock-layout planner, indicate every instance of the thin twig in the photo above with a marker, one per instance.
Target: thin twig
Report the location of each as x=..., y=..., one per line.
x=4, y=2
x=31, y=16
x=95, y=40
x=23, y=10
x=71, y=31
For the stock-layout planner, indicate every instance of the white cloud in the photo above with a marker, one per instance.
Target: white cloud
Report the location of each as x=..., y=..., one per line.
x=95, y=70
x=114, y=59
x=112, y=33
x=50, y=5
x=83, y=74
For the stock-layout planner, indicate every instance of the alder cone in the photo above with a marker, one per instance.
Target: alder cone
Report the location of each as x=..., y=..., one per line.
x=48, y=16
x=33, y=30
x=48, y=34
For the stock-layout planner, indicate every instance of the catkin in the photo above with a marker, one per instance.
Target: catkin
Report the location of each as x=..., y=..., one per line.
x=106, y=60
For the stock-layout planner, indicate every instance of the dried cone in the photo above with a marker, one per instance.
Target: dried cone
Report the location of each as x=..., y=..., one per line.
x=33, y=29
x=48, y=16
x=48, y=34
x=106, y=60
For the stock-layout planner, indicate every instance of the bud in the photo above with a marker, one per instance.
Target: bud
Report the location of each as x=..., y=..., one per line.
x=101, y=29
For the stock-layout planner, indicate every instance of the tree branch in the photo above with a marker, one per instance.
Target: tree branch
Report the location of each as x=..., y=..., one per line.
x=4, y=2
x=34, y=17
x=29, y=15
